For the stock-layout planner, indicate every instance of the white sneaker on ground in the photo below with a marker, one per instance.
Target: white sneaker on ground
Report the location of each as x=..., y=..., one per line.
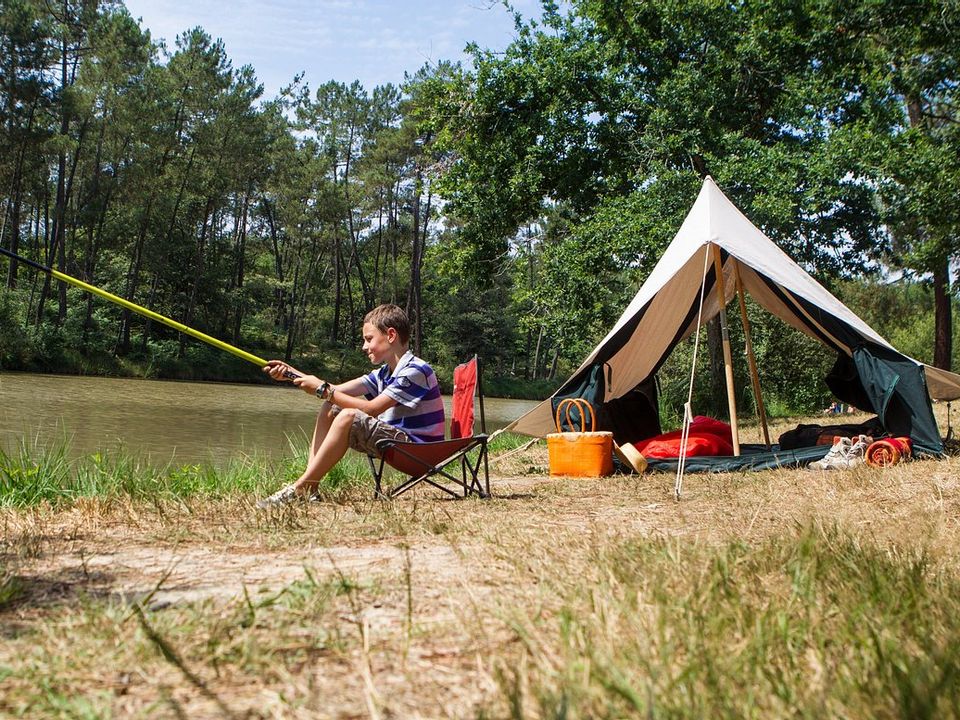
x=845, y=453
x=287, y=496
x=858, y=450
x=836, y=457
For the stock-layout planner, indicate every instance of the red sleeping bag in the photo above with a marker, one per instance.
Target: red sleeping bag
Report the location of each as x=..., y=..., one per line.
x=707, y=437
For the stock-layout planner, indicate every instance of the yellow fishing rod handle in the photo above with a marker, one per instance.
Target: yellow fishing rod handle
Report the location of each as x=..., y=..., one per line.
x=249, y=357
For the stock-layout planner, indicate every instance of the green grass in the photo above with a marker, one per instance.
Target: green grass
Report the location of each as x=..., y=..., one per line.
x=815, y=623
x=33, y=474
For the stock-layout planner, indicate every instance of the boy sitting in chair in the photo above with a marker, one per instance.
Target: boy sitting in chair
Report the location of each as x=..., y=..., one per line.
x=400, y=401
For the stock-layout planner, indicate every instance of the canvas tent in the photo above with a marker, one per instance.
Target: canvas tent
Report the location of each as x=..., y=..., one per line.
x=666, y=310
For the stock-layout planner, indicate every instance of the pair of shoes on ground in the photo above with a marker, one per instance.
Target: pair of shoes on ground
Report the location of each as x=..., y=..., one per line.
x=845, y=453
x=287, y=496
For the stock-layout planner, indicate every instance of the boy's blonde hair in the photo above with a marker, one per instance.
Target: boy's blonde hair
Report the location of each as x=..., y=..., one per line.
x=390, y=316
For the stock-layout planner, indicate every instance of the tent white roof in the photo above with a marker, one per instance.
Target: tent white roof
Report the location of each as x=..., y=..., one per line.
x=664, y=310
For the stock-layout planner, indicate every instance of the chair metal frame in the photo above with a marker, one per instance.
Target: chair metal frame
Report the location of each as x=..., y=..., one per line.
x=429, y=462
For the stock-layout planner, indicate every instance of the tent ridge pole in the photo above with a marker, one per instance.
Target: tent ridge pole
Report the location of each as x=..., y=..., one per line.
x=727, y=354
x=751, y=358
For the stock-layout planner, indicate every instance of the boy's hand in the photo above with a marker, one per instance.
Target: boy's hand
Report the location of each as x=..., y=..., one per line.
x=279, y=370
x=308, y=383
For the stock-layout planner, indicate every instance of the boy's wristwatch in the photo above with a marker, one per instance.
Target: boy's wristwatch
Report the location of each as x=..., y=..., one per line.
x=322, y=391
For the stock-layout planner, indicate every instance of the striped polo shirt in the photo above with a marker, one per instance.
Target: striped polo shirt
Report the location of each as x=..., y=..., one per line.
x=419, y=408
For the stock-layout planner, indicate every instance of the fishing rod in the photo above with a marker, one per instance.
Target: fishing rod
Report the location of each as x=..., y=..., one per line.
x=220, y=344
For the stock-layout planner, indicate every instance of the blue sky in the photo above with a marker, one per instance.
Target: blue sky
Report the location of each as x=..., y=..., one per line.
x=373, y=41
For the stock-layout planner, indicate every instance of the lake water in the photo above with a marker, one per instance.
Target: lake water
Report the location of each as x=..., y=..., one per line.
x=182, y=422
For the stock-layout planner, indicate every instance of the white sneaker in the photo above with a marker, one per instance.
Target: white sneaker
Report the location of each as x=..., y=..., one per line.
x=858, y=450
x=837, y=457
x=287, y=496
x=845, y=453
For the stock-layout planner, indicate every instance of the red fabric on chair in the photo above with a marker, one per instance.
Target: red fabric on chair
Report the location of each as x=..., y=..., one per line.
x=464, y=387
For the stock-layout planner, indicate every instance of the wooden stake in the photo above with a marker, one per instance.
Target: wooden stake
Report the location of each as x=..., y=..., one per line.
x=751, y=358
x=727, y=355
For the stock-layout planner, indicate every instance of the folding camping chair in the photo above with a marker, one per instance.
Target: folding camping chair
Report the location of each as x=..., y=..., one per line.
x=435, y=463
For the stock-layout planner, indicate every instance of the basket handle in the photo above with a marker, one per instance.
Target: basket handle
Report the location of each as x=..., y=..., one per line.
x=566, y=405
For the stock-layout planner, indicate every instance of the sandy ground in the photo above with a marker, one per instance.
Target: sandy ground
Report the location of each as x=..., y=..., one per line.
x=165, y=575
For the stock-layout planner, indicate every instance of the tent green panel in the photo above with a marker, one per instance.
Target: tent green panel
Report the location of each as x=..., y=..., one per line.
x=897, y=388
x=591, y=389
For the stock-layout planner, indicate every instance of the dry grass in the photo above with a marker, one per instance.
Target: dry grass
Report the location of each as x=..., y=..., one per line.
x=760, y=594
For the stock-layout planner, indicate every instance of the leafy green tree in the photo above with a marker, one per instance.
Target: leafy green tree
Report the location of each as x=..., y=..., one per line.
x=598, y=124
x=601, y=122
x=895, y=67
x=70, y=22
x=25, y=94
x=338, y=116
x=108, y=102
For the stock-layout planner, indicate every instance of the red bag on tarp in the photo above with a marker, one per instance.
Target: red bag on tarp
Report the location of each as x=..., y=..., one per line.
x=708, y=436
x=889, y=451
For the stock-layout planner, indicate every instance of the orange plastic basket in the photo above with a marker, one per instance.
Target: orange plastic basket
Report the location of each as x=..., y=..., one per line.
x=587, y=453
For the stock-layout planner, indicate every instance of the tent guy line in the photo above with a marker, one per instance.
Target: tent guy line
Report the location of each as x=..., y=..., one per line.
x=140, y=310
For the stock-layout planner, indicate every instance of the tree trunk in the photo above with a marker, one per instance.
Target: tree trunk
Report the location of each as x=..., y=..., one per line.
x=148, y=323
x=554, y=364
x=133, y=279
x=40, y=245
x=536, y=356
x=67, y=195
x=241, y=251
x=14, y=237
x=17, y=204
x=198, y=271
x=292, y=315
x=415, y=295
x=527, y=372
x=943, y=338
x=280, y=295
x=59, y=212
x=942, y=307
x=94, y=230
x=375, y=280
x=338, y=285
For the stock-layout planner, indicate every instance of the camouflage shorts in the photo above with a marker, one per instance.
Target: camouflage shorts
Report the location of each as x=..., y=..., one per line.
x=367, y=431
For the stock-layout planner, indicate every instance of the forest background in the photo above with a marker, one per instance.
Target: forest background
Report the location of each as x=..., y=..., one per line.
x=512, y=205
